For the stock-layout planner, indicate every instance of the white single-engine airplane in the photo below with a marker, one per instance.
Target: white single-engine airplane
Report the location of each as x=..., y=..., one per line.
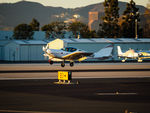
x=131, y=54
x=72, y=54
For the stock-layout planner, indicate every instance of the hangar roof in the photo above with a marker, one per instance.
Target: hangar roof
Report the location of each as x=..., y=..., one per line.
x=24, y=42
x=36, y=42
x=106, y=40
x=19, y=42
x=145, y=40
x=82, y=40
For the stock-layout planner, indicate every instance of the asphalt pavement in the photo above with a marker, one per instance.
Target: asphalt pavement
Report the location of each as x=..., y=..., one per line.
x=103, y=95
x=97, y=88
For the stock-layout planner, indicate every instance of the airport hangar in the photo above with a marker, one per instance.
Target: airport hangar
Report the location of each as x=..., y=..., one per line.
x=31, y=50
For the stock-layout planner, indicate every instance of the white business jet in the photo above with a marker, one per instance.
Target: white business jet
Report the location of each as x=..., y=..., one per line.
x=72, y=54
x=131, y=54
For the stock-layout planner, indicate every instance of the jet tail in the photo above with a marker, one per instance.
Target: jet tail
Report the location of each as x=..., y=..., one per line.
x=119, y=50
x=104, y=53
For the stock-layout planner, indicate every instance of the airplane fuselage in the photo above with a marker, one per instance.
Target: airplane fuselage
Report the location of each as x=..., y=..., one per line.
x=131, y=54
x=57, y=53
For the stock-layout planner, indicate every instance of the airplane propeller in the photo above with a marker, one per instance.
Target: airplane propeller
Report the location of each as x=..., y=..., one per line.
x=44, y=49
x=45, y=55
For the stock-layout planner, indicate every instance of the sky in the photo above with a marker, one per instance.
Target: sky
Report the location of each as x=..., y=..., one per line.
x=71, y=3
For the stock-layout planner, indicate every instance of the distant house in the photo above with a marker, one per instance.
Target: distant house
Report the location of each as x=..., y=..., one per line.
x=6, y=35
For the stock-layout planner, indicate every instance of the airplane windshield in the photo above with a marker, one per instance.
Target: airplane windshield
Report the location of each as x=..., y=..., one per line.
x=69, y=49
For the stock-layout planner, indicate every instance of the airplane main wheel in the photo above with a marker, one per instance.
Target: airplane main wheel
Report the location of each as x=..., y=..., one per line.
x=123, y=60
x=62, y=64
x=71, y=64
x=139, y=60
x=51, y=62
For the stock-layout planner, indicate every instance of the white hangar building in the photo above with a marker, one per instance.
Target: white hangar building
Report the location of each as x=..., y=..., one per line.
x=31, y=50
x=22, y=50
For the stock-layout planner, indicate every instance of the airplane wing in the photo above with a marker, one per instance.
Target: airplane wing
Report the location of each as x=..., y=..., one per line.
x=144, y=55
x=79, y=55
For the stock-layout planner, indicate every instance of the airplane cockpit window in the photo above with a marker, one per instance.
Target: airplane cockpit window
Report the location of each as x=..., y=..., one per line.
x=73, y=49
x=63, y=49
x=69, y=49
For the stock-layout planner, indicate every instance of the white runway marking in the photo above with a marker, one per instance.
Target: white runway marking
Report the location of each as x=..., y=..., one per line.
x=116, y=93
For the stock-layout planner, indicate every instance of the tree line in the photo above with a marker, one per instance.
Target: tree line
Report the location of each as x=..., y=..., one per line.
x=111, y=27
x=52, y=30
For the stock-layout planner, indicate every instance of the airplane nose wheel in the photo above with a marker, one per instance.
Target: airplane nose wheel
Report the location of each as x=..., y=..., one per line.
x=63, y=64
x=71, y=64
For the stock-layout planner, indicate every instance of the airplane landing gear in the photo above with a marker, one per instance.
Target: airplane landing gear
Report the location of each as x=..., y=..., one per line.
x=124, y=60
x=50, y=62
x=63, y=64
x=71, y=64
x=139, y=60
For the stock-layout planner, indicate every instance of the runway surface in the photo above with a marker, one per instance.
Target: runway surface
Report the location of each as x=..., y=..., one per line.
x=80, y=70
x=101, y=88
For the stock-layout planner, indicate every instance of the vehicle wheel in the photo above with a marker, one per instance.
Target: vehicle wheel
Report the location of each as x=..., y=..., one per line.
x=71, y=64
x=62, y=64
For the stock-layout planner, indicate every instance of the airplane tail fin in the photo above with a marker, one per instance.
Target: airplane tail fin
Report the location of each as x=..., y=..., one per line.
x=106, y=52
x=119, y=50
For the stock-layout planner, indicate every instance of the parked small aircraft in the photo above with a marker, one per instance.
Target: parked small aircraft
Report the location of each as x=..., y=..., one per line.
x=131, y=54
x=72, y=54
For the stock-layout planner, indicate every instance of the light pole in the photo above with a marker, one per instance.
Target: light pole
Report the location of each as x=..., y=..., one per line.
x=136, y=29
x=136, y=26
